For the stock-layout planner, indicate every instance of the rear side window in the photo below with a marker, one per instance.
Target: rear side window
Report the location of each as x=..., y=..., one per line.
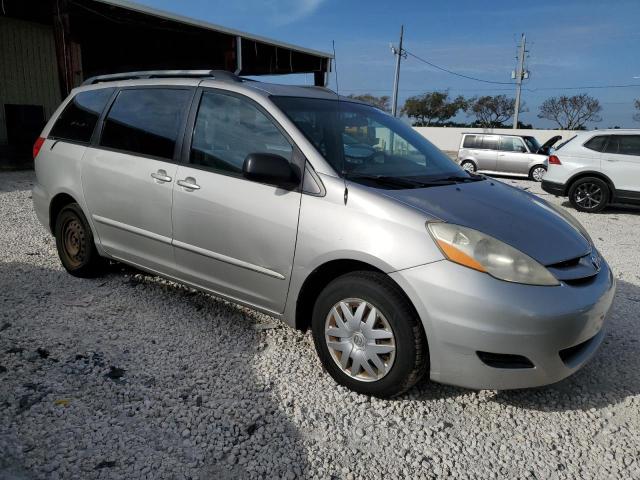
x=490, y=142
x=470, y=141
x=79, y=118
x=229, y=128
x=146, y=121
x=624, y=144
x=597, y=143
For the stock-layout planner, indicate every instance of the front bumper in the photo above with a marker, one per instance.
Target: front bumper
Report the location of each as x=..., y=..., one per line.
x=557, y=189
x=464, y=312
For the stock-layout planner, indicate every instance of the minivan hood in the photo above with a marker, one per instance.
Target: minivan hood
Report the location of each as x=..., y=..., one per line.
x=509, y=214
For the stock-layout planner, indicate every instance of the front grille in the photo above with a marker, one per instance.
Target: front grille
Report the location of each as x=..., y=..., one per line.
x=577, y=271
x=504, y=360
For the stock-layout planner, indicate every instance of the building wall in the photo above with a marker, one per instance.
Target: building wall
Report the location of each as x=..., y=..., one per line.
x=28, y=68
x=448, y=139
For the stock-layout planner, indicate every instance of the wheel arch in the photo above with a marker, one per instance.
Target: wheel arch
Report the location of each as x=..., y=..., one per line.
x=590, y=173
x=321, y=276
x=58, y=202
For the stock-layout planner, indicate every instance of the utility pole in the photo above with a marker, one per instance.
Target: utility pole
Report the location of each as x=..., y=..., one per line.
x=520, y=74
x=399, y=53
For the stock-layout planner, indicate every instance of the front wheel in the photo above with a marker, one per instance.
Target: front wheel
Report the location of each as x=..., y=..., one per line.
x=368, y=336
x=537, y=173
x=589, y=194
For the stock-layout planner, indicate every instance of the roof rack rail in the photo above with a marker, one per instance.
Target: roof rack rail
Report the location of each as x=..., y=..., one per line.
x=215, y=74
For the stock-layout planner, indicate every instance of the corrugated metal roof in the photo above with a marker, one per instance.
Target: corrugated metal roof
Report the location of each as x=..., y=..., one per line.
x=209, y=26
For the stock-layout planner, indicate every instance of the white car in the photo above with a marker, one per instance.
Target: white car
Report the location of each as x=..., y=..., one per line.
x=596, y=168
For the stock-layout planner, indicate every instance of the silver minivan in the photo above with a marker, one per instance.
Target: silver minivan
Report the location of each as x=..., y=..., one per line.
x=330, y=215
x=504, y=153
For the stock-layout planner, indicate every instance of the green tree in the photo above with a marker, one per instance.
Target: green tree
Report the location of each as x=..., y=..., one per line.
x=380, y=102
x=571, y=113
x=492, y=110
x=432, y=107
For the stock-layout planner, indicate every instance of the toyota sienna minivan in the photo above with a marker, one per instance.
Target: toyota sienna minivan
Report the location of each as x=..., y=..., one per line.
x=329, y=214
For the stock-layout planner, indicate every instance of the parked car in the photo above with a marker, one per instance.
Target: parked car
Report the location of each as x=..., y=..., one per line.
x=596, y=168
x=401, y=265
x=502, y=153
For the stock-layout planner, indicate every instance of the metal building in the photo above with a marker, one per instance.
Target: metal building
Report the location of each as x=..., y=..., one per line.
x=47, y=47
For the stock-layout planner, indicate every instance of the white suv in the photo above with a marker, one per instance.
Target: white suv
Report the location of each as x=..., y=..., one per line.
x=596, y=168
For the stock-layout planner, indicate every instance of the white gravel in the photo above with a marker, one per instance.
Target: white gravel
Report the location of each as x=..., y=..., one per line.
x=130, y=376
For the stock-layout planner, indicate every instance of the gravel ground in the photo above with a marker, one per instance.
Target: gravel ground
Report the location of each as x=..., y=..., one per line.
x=130, y=376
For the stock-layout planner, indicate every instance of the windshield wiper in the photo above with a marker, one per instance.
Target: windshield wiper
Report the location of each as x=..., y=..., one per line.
x=458, y=178
x=396, y=181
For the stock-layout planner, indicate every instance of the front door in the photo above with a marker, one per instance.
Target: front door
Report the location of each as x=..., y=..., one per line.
x=231, y=235
x=621, y=163
x=128, y=178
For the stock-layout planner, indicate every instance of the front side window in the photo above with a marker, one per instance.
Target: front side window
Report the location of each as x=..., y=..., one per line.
x=597, y=143
x=80, y=116
x=358, y=140
x=146, y=121
x=229, y=128
x=512, y=144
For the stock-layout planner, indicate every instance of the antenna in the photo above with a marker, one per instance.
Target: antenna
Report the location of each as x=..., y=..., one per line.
x=335, y=67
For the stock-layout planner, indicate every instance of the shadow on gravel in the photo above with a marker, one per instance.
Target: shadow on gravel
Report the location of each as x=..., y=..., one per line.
x=611, y=376
x=128, y=375
x=611, y=209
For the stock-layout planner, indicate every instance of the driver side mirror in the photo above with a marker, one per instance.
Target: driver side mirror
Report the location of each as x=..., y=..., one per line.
x=271, y=169
x=522, y=149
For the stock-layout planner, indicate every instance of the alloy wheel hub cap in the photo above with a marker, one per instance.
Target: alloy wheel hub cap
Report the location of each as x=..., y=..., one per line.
x=360, y=340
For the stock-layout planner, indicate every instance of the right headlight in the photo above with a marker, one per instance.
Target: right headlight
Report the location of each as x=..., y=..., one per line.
x=484, y=253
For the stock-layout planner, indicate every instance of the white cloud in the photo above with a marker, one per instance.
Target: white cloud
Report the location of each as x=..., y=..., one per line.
x=284, y=12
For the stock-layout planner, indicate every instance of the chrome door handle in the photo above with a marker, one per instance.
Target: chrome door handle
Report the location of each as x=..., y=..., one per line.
x=189, y=183
x=161, y=176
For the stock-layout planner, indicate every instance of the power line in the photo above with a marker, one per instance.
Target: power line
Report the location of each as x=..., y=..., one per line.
x=588, y=87
x=455, y=73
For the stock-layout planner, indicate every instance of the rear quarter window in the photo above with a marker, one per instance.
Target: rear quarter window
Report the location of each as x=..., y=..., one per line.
x=470, y=141
x=597, y=143
x=79, y=118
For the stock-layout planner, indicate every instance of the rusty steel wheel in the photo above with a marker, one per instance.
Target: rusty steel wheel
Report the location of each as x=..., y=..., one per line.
x=74, y=241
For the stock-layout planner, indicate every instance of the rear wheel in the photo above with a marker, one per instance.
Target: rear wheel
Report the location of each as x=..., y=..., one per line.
x=469, y=166
x=537, y=173
x=589, y=194
x=368, y=336
x=74, y=241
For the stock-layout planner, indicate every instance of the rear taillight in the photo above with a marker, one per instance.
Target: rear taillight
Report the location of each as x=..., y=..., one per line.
x=553, y=160
x=37, y=146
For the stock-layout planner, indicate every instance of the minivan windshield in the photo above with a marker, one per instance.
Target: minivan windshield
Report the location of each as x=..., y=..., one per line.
x=367, y=145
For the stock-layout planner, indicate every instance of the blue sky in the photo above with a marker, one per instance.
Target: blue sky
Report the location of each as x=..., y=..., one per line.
x=571, y=43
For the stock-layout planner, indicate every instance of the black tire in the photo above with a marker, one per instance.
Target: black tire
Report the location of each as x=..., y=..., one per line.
x=589, y=194
x=75, y=244
x=470, y=165
x=532, y=172
x=411, y=350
